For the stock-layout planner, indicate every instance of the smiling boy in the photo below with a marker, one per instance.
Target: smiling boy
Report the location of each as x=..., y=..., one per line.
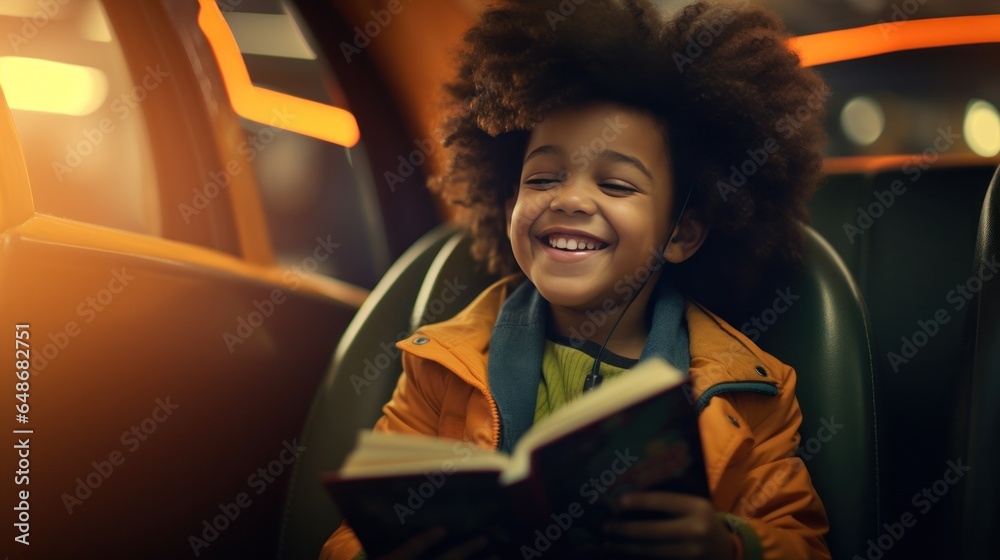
x=577, y=151
x=577, y=231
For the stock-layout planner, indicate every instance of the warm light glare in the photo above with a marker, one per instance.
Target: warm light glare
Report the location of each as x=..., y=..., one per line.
x=982, y=128
x=318, y=120
x=862, y=120
x=93, y=24
x=33, y=84
x=269, y=34
x=21, y=8
x=895, y=36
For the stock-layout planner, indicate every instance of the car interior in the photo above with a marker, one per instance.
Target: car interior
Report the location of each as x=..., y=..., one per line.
x=212, y=202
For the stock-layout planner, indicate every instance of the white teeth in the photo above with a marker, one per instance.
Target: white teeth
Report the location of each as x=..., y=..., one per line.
x=572, y=244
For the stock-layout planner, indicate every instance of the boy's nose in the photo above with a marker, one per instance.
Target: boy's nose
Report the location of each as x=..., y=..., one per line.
x=573, y=195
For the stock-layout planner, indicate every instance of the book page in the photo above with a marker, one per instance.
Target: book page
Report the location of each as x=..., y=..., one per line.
x=384, y=454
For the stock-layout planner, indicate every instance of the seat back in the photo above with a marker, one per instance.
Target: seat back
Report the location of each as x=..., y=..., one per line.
x=360, y=380
x=981, y=488
x=907, y=233
x=452, y=282
x=431, y=282
x=825, y=335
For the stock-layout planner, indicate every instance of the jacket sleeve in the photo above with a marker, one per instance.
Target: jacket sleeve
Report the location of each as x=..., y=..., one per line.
x=774, y=508
x=414, y=408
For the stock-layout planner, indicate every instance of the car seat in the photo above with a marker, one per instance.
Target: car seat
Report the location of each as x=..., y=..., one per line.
x=981, y=509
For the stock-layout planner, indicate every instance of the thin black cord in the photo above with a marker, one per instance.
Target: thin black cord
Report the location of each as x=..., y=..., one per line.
x=594, y=378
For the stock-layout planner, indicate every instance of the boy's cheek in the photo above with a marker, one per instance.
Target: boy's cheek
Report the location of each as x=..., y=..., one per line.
x=519, y=225
x=524, y=211
x=508, y=214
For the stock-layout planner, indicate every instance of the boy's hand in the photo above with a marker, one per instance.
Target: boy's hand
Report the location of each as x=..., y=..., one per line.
x=420, y=545
x=688, y=527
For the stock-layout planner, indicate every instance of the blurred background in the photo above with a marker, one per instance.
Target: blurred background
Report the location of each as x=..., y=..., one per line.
x=882, y=105
x=258, y=165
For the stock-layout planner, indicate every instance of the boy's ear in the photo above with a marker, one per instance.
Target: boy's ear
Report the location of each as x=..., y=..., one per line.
x=688, y=238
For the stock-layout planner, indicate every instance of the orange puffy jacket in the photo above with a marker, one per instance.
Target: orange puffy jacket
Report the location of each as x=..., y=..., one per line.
x=749, y=424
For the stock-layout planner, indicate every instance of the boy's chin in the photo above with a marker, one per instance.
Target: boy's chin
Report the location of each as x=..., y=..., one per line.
x=569, y=294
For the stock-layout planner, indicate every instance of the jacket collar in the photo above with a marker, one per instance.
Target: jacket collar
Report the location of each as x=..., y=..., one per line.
x=722, y=360
x=518, y=342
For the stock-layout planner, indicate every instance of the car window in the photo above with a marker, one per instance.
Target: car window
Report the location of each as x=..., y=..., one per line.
x=79, y=114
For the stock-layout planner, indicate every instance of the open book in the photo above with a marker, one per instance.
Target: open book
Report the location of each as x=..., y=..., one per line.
x=635, y=432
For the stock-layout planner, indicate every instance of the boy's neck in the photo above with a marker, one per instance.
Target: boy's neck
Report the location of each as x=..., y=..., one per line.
x=594, y=324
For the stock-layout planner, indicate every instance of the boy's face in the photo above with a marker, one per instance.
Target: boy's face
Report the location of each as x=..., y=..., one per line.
x=596, y=182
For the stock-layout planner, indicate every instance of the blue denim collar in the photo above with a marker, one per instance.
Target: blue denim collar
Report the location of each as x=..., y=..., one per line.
x=518, y=341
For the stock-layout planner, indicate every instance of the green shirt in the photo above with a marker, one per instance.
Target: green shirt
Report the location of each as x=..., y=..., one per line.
x=564, y=367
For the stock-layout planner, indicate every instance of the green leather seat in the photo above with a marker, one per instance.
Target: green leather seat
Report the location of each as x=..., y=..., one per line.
x=825, y=335
x=981, y=511
x=342, y=405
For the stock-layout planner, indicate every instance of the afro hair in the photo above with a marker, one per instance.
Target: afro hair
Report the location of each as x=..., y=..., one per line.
x=743, y=117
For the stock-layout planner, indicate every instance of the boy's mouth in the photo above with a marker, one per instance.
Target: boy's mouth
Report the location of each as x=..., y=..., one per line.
x=572, y=243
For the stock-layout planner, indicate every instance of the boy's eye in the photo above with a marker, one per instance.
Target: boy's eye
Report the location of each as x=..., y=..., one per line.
x=617, y=188
x=542, y=181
